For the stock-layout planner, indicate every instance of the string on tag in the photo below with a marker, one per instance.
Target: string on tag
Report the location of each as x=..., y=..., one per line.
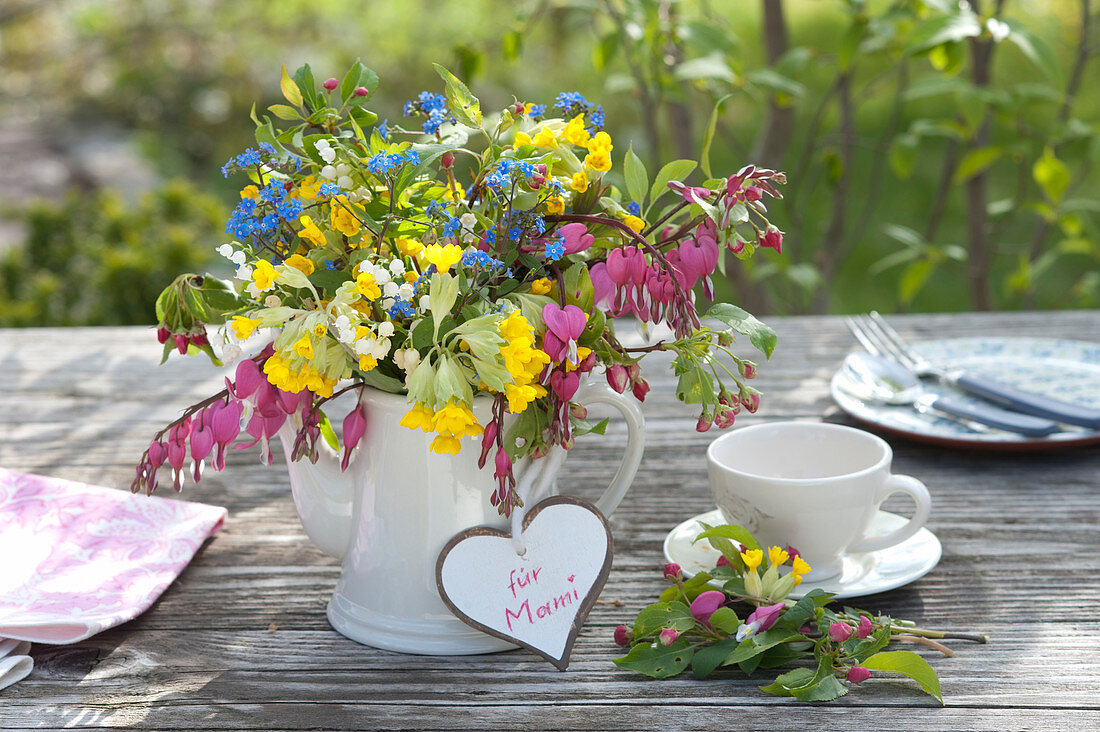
x=532, y=488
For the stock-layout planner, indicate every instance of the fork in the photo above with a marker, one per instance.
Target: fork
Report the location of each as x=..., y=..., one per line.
x=878, y=337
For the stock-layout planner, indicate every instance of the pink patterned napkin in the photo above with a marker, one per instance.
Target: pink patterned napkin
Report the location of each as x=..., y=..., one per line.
x=76, y=559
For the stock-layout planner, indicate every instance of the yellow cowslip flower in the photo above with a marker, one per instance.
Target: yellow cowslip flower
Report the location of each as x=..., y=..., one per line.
x=555, y=204
x=264, y=275
x=799, y=567
x=243, y=326
x=446, y=445
x=411, y=277
x=752, y=558
x=443, y=257
x=309, y=187
x=250, y=192
x=280, y=375
x=542, y=286
x=456, y=419
x=303, y=347
x=575, y=131
x=409, y=247
x=600, y=161
x=310, y=232
x=342, y=219
x=523, y=361
x=300, y=263
x=521, y=139
x=367, y=362
x=320, y=330
x=777, y=556
x=580, y=182
x=515, y=327
x=545, y=138
x=601, y=142
x=418, y=418
x=367, y=287
x=634, y=222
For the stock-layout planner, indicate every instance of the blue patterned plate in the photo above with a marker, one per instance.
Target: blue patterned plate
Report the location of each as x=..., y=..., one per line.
x=1061, y=369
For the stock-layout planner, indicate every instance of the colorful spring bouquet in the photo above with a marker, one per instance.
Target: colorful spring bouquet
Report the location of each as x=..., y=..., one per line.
x=471, y=256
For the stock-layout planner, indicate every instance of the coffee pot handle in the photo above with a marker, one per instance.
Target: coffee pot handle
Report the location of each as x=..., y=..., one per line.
x=897, y=484
x=541, y=476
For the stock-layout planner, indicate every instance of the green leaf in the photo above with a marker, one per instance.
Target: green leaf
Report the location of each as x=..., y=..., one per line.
x=908, y=664
x=1052, y=175
x=290, y=89
x=757, y=644
x=725, y=620
x=328, y=433
x=380, y=381
x=637, y=180
x=708, y=137
x=826, y=689
x=1035, y=49
x=902, y=155
x=604, y=51
x=797, y=615
x=358, y=76
x=777, y=82
x=913, y=279
x=730, y=531
x=303, y=77
x=676, y=170
x=660, y=662
x=712, y=66
x=795, y=679
x=709, y=658
x=579, y=289
x=976, y=161
x=464, y=106
x=283, y=111
x=760, y=335
x=693, y=587
x=656, y=617
x=329, y=280
x=943, y=29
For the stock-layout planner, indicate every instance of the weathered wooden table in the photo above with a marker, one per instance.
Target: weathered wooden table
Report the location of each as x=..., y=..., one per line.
x=241, y=639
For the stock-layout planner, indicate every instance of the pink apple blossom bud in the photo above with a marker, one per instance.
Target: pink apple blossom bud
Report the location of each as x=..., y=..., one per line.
x=735, y=245
x=673, y=573
x=840, y=632
x=361, y=91
x=200, y=339
x=792, y=552
x=722, y=561
x=640, y=389
x=750, y=400
x=747, y=369
x=181, y=343
x=447, y=160
x=330, y=83
x=518, y=108
x=704, y=423
x=634, y=371
x=858, y=674
x=725, y=338
x=668, y=636
x=724, y=418
x=578, y=411
x=623, y=635
x=163, y=334
x=617, y=377
x=703, y=606
x=865, y=627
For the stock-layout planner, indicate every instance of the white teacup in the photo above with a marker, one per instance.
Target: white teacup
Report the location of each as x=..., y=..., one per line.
x=812, y=486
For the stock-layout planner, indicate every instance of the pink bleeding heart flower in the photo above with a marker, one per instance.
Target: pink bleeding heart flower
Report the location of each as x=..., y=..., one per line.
x=840, y=632
x=618, y=265
x=602, y=284
x=488, y=439
x=202, y=442
x=865, y=627
x=734, y=182
x=753, y=193
x=617, y=377
x=288, y=400
x=575, y=237
x=563, y=327
x=703, y=606
x=225, y=425
x=355, y=424
x=760, y=620
x=773, y=239
x=858, y=674
x=565, y=384
x=248, y=378
x=503, y=464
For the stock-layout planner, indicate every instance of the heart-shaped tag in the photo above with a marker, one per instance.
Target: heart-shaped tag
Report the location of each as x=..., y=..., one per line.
x=538, y=600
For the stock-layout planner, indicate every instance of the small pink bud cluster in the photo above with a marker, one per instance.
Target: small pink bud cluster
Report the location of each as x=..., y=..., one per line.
x=748, y=187
x=619, y=377
x=183, y=340
x=330, y=83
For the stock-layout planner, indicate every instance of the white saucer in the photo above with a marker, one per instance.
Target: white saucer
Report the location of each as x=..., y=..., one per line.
x=863, y=574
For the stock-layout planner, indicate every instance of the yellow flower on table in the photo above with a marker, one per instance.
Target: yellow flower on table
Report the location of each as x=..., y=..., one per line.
x=777, y=556
x=752, y=558
x=799, y=567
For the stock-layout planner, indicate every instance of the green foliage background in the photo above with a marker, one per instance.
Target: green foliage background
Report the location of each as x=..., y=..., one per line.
x=181, y=77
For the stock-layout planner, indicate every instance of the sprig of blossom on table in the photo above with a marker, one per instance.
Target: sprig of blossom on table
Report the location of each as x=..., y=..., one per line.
x=467, y=256
x=694, y=625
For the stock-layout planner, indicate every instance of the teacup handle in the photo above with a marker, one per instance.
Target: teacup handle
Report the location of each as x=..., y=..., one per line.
x=897, y=484
x=545, y=469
